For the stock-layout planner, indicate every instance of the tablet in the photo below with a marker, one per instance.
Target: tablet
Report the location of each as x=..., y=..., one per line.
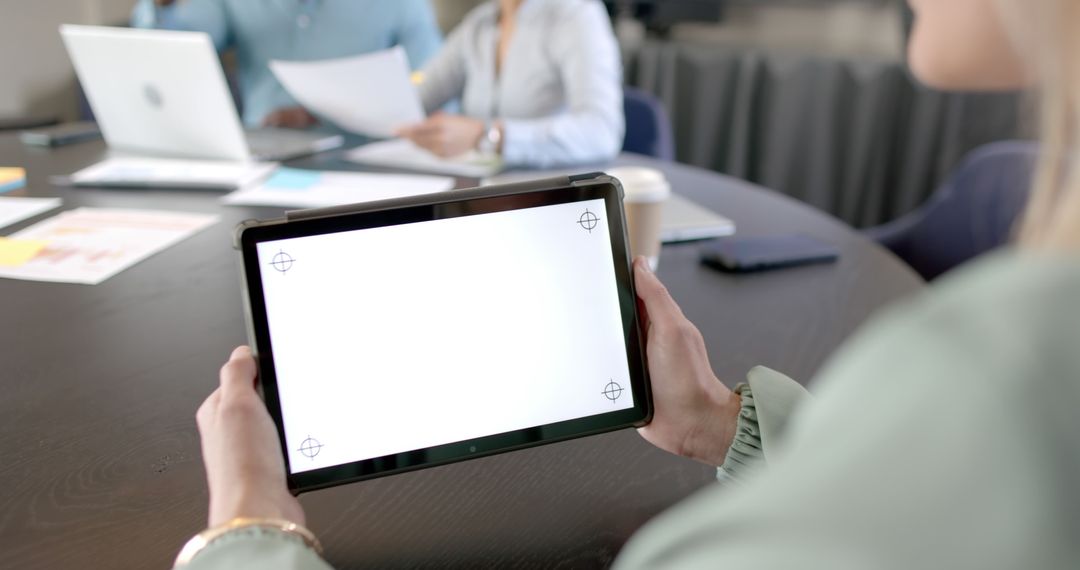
x=409, y=333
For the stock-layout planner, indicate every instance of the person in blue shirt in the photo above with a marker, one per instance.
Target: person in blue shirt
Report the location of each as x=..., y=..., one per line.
x=264, y=30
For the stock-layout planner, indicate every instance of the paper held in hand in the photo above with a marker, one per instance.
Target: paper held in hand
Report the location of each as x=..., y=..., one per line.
x=370, y=94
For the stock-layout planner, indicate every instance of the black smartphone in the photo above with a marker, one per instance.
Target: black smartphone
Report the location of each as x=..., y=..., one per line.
x=60, y=135
x=744, y=254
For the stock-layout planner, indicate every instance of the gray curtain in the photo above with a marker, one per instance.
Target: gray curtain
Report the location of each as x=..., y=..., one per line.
x=856, y=138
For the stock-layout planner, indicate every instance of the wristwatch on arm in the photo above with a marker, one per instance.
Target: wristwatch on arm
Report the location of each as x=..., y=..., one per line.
x=492, y=140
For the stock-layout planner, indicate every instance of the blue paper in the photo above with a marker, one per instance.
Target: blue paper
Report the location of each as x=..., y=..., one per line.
x=293, y=179
x=11, y=178
x=12, y=185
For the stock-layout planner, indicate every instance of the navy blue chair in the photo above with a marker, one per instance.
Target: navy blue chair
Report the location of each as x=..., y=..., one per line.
x=972, y=213
x=648, y=129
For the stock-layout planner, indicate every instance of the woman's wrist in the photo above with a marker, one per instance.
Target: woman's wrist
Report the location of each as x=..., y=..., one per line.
x=490, y=140
x=254, y=505
x=713, y=433
x=281, y=527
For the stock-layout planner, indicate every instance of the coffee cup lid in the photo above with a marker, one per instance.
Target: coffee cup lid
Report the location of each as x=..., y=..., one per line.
x=642, y=183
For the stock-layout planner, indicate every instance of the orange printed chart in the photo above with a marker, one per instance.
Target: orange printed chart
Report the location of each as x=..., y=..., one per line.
x=89, y=245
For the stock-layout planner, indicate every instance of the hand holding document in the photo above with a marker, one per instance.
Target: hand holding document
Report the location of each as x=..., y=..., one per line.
x=296, y=188
x=369, y=94
x=89, y=245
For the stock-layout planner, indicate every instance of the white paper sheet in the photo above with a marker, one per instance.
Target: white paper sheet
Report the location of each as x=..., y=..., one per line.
x=14, y=210
x=370, y=94
x=89, y=245
x=172, y=173
x=296, y=188
x=401, y=153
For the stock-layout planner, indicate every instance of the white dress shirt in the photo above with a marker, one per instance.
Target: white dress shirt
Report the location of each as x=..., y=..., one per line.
x=559, y=91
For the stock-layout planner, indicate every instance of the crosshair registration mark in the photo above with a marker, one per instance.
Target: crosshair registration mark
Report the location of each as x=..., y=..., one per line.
x=588, y=221
x=310, y=447
x=282, y=261
x=612, y=391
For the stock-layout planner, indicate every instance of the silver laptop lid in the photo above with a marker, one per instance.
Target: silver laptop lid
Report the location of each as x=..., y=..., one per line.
x=156, y=92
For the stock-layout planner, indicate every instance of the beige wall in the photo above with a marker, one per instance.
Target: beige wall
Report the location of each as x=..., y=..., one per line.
x=837, y=27
x=38, y=79
x=37, y=76
x=866, y=27
x=450, y=12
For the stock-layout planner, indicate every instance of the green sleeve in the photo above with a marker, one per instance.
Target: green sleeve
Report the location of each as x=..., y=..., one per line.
x=255, y=548
x=769, y=398
x=945, y=435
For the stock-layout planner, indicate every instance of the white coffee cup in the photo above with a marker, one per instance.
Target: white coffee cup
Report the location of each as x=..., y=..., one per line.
x=645, y=190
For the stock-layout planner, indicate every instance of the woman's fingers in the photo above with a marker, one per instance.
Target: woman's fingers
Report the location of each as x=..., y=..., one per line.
x=238, y=373
x=659, y=306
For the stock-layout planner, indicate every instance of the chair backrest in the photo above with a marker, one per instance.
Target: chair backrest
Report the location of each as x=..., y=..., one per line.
x=648, y=129
x=973, y=213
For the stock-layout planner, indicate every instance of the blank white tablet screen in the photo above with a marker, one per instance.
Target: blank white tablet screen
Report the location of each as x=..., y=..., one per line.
x=400, y=338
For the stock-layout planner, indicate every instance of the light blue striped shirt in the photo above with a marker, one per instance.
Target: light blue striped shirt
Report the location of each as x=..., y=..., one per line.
x=559, y=93
x=262, y=30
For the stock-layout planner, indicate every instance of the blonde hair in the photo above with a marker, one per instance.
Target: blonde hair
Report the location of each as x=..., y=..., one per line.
x=1047, y=35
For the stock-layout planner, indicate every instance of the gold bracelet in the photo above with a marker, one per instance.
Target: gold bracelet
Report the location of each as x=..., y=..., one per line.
x=204, y=538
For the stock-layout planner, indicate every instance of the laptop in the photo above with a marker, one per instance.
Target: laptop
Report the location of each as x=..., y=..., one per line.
x=163, y=93
x=684, y=220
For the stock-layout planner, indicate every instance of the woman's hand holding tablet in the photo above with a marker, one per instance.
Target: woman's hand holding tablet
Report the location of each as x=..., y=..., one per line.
x=418, y=332
x=694, y=414
x=240, y=448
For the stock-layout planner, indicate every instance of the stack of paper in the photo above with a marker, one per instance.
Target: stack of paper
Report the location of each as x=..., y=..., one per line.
x=140, y=172
x=11, y=177
x=369, y=94
x=296, y=188
x=401, y=153
x=14, y=210
x=89, y=245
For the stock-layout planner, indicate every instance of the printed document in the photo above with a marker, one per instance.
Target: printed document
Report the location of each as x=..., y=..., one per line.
x=14, y=210
x=403, y=154
x=298, y=188
x=89, y=245
x=370, y=94
x=144, y=172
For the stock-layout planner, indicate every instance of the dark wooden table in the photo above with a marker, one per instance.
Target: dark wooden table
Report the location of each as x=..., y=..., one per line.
x=99, y=456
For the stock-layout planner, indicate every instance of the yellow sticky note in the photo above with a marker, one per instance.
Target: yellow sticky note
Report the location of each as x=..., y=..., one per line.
x=11, y=177
x=15, y=252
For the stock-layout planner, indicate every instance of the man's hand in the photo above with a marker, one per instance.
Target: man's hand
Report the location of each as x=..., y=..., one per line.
x=445, y=135
x=290, y=118
x=695, y=414
x=244, y=468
